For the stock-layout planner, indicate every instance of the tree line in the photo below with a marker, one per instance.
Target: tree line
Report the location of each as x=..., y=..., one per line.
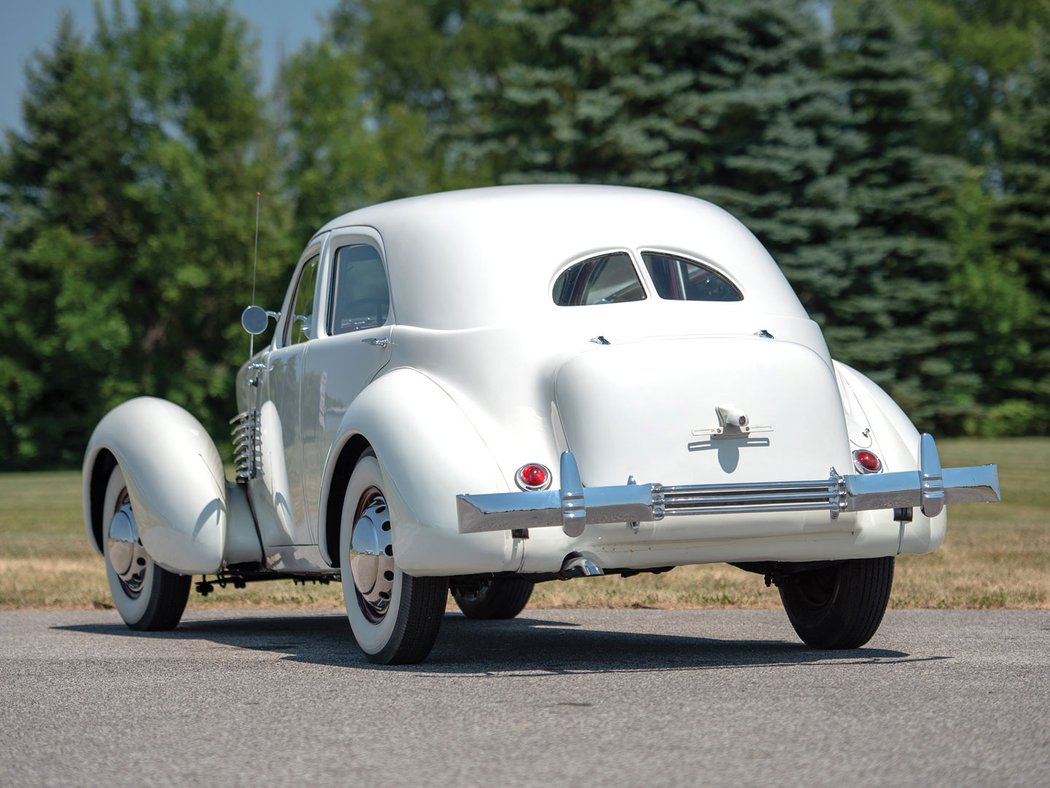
x=894, y=157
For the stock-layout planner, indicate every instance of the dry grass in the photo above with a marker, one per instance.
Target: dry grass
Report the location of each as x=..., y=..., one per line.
x=995, y=556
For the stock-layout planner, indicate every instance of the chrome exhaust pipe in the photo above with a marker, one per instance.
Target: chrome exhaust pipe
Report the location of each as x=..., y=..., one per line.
x=579, y=566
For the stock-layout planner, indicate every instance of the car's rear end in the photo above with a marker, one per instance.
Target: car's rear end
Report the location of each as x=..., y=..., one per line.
x=718, y=448
x=655, y=395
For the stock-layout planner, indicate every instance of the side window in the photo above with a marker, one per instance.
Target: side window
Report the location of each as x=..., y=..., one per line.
x=360, y=296
x=608, y=279
x=300, y=325
x=678, y=279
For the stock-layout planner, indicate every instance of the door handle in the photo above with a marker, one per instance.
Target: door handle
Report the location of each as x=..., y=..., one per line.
x=381, y=342
x=258, y=369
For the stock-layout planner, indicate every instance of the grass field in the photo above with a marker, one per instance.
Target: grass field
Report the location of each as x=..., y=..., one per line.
x=994, y=557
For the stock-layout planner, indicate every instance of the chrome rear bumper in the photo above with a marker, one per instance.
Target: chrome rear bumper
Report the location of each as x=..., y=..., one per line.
x=574, y=506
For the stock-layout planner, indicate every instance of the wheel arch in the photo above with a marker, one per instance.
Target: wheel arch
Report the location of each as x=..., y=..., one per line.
x=429, y=451
x=350, y=452
x=95, y=481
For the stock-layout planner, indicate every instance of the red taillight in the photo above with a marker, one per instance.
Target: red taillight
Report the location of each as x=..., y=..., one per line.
x=533, y=477
x=867, y=461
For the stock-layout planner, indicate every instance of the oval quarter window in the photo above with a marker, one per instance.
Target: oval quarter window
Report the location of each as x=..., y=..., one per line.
x=679, y=279
x=606, y=279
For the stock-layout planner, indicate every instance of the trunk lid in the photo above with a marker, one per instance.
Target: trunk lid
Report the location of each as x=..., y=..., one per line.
x=710, y=410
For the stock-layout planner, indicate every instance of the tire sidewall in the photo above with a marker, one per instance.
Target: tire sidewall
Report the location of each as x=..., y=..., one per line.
x=498, y=598
x=371, y=636
x=851, y=614
x=132, y=609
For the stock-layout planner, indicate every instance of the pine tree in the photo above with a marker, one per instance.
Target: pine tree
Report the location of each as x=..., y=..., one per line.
x=1021, y=234
x=722, y=100
x=896, y=322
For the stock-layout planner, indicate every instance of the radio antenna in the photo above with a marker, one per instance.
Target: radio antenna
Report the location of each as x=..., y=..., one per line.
x=255, y=258
x=255, y=269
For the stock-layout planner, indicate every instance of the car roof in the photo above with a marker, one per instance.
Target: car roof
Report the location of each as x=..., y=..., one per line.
x=484, y=256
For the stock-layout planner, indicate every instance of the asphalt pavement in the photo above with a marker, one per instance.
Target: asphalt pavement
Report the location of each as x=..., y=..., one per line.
x=589, y=697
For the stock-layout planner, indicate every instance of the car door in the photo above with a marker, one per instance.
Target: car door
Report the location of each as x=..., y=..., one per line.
x=352, y=346
x=277, y=494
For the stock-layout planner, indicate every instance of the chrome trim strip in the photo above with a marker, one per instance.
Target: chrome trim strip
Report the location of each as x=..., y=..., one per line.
x=573, y=503
x=932, y=478
x=247, y=452
x=574, y=506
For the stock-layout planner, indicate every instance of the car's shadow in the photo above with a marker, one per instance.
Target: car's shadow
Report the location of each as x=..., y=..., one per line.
x=504, y=648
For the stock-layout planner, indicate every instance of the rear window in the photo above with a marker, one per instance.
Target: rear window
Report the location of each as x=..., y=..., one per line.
x=606, y=279
x=679, y=279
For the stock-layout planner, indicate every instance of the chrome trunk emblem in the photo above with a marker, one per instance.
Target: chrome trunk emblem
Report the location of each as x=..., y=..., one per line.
x=733, y=422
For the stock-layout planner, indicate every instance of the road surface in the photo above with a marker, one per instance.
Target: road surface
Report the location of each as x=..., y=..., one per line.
x=611, y=697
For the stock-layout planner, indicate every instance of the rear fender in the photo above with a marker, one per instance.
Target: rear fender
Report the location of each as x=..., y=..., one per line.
x=429, y=452
x=184, y=507
x=898, y=446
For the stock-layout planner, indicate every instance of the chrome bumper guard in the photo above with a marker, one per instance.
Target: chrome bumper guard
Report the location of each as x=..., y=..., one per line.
x=572, y=507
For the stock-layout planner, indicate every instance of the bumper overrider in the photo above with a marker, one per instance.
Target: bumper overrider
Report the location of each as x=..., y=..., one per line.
x=574, y=506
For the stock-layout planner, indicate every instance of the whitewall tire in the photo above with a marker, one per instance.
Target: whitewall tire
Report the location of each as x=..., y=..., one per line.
x=146, y=596
x=395, y=617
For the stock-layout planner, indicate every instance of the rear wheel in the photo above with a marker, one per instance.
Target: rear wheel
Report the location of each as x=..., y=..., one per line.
x=500, y=597
x=840, y=606
x=395, y=617
x=146, y=596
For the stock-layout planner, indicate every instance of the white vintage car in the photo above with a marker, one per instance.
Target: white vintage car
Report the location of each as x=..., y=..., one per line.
x=485, y=389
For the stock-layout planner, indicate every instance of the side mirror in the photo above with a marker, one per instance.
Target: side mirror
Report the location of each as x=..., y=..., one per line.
x=255, y=319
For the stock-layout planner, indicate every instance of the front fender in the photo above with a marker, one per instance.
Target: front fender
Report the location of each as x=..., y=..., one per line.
x=175, y=480
x=429, y=452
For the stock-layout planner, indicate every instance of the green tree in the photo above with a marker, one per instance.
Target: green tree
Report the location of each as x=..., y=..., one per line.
x=723, y=100
x=977, y=50
x=337, y=154
x=61, y=329
x=981, y=53
x=365, y=111
x=1021, y=237
x=128, y=207
x=896, y=321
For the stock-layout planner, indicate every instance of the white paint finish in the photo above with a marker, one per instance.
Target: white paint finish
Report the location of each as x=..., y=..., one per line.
x=335, y=372
x=640, y=409
x=485, y=257
x=547, y=548
x=427, y=448
x=174, y=478
x=896, y=442
x=271, y=490
x=279, y=492
x=282, y=436
x=242, y=540
x=483, y=373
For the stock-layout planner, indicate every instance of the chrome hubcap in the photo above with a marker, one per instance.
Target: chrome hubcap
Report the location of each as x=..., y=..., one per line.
x=127, y=556
x=372, y=557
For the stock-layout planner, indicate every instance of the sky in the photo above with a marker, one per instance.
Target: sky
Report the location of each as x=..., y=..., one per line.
x=281, y=27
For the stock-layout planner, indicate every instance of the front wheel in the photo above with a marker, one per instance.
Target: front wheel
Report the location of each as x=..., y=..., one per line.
x=395, y=617
x=840, y=606
x=147, y=596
